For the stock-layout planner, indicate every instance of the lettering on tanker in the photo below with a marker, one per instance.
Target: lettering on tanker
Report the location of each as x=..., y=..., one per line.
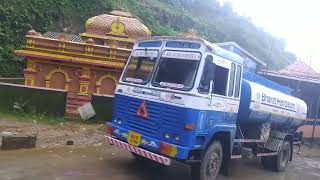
x=278, y=102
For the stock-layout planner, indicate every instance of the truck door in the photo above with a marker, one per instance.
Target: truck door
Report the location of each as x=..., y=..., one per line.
x=214, y=83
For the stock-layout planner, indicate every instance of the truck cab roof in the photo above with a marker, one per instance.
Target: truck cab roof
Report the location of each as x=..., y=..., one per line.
x=208, y=46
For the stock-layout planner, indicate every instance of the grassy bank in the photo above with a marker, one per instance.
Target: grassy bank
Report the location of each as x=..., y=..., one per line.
x=32, y=118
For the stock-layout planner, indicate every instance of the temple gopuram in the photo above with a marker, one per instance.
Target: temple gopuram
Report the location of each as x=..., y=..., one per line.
x=85, y=64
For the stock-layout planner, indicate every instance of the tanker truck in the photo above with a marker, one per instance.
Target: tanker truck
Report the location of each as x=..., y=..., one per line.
x=188, y=100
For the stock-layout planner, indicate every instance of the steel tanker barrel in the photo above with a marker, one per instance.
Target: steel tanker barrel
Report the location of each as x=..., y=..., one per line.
x=260, y=104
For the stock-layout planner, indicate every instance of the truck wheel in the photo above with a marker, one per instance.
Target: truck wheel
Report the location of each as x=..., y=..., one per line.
x=283, y=156
x=279, y=162
x=211, y=162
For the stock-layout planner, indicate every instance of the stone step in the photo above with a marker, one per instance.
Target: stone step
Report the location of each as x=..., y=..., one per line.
x=72, y=107
x=76, y=102
x=72, y=114
x=78, y=97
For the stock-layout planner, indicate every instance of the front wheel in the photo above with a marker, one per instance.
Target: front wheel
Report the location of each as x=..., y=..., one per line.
x=210, y=164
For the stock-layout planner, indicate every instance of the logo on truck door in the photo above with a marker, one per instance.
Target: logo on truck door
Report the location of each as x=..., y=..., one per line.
x=142, y=111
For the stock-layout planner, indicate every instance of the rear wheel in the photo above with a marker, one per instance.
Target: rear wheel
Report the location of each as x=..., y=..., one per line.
x=279, y=162
x=210, y=164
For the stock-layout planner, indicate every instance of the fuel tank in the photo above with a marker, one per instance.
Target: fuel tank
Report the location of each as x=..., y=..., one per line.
x=260, y=104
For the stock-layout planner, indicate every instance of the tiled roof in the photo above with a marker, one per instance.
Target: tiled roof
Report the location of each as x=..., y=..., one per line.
x=69, y=37
x=297, y=71
x=300, y=68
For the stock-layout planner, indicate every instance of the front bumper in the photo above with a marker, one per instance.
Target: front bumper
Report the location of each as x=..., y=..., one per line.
x=141, y=152
x=148, y=143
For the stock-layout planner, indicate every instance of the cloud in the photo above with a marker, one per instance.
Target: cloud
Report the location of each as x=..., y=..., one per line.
x=294, y=20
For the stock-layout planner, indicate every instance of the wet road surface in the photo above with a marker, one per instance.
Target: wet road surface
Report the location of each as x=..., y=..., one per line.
x=108, y=162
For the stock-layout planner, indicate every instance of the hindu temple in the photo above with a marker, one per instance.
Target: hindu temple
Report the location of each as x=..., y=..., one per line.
x=82, y=65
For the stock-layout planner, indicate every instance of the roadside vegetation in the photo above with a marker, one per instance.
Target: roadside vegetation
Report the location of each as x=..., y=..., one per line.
x=32, y=117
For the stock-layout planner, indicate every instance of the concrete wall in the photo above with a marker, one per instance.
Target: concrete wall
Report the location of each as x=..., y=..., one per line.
x=308, y=129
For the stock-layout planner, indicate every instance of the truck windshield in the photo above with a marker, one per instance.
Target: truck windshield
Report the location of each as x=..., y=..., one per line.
x=140, y=66
x=176, y=73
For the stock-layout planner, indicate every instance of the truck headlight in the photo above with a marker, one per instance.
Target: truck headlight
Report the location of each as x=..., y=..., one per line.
x=118, y=120
x=177, y=138
x=167, y=136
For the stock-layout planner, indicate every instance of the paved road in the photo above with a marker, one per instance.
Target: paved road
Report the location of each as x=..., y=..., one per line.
x=108, y=162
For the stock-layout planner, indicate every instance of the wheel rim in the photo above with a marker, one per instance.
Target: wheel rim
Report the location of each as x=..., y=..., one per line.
x=284, y=157
x=213, y=165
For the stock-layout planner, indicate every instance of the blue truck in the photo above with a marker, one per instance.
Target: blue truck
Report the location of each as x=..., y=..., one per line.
x=189, y=100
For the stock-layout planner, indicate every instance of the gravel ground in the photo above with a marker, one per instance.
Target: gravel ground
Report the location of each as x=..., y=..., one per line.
x=90, y=158
x=57, y=135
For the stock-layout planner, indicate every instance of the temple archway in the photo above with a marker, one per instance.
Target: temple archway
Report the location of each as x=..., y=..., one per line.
x=58, y=79
x=106, y=85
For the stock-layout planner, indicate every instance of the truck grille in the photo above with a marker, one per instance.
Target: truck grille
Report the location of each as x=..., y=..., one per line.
x=161, y=116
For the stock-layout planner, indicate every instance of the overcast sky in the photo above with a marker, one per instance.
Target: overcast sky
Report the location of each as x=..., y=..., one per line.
x=296, y=21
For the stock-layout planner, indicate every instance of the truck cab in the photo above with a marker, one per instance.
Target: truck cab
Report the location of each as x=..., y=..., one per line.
x=178, y=99
x=175, y=94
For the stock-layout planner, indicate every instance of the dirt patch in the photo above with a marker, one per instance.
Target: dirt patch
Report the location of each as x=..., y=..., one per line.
x=57, y=135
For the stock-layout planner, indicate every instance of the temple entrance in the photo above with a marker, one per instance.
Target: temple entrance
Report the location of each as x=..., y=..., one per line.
x=107, y=86
x=58, y=81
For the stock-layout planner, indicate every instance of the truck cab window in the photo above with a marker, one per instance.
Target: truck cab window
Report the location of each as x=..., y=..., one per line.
x=218, y=74
x=232, y=78
x=220, y=80
x=140, y=66
x=238, y=81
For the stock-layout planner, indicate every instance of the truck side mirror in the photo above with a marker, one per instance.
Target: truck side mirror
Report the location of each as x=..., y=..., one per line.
x=211, y=67
x=208, y=73
x=211, y=90
x=207, y=76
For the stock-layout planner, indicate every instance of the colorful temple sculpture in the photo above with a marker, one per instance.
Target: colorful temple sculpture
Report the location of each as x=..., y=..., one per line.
x=85, y=64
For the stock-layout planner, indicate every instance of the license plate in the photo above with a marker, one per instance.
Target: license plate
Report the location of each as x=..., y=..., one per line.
x=134, y=138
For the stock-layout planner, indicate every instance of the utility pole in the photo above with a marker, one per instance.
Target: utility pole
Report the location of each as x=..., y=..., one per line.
x=269, y=55
x=315, y=121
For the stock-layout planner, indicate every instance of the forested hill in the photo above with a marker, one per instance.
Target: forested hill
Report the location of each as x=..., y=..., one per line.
x=164, y=17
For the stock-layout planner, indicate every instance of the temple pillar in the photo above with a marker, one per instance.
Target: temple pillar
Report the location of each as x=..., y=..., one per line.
x=84, y=81
x=30, y=73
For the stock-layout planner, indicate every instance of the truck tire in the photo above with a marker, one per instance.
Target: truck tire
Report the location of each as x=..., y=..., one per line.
x=210, y=164
x=279, y=162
